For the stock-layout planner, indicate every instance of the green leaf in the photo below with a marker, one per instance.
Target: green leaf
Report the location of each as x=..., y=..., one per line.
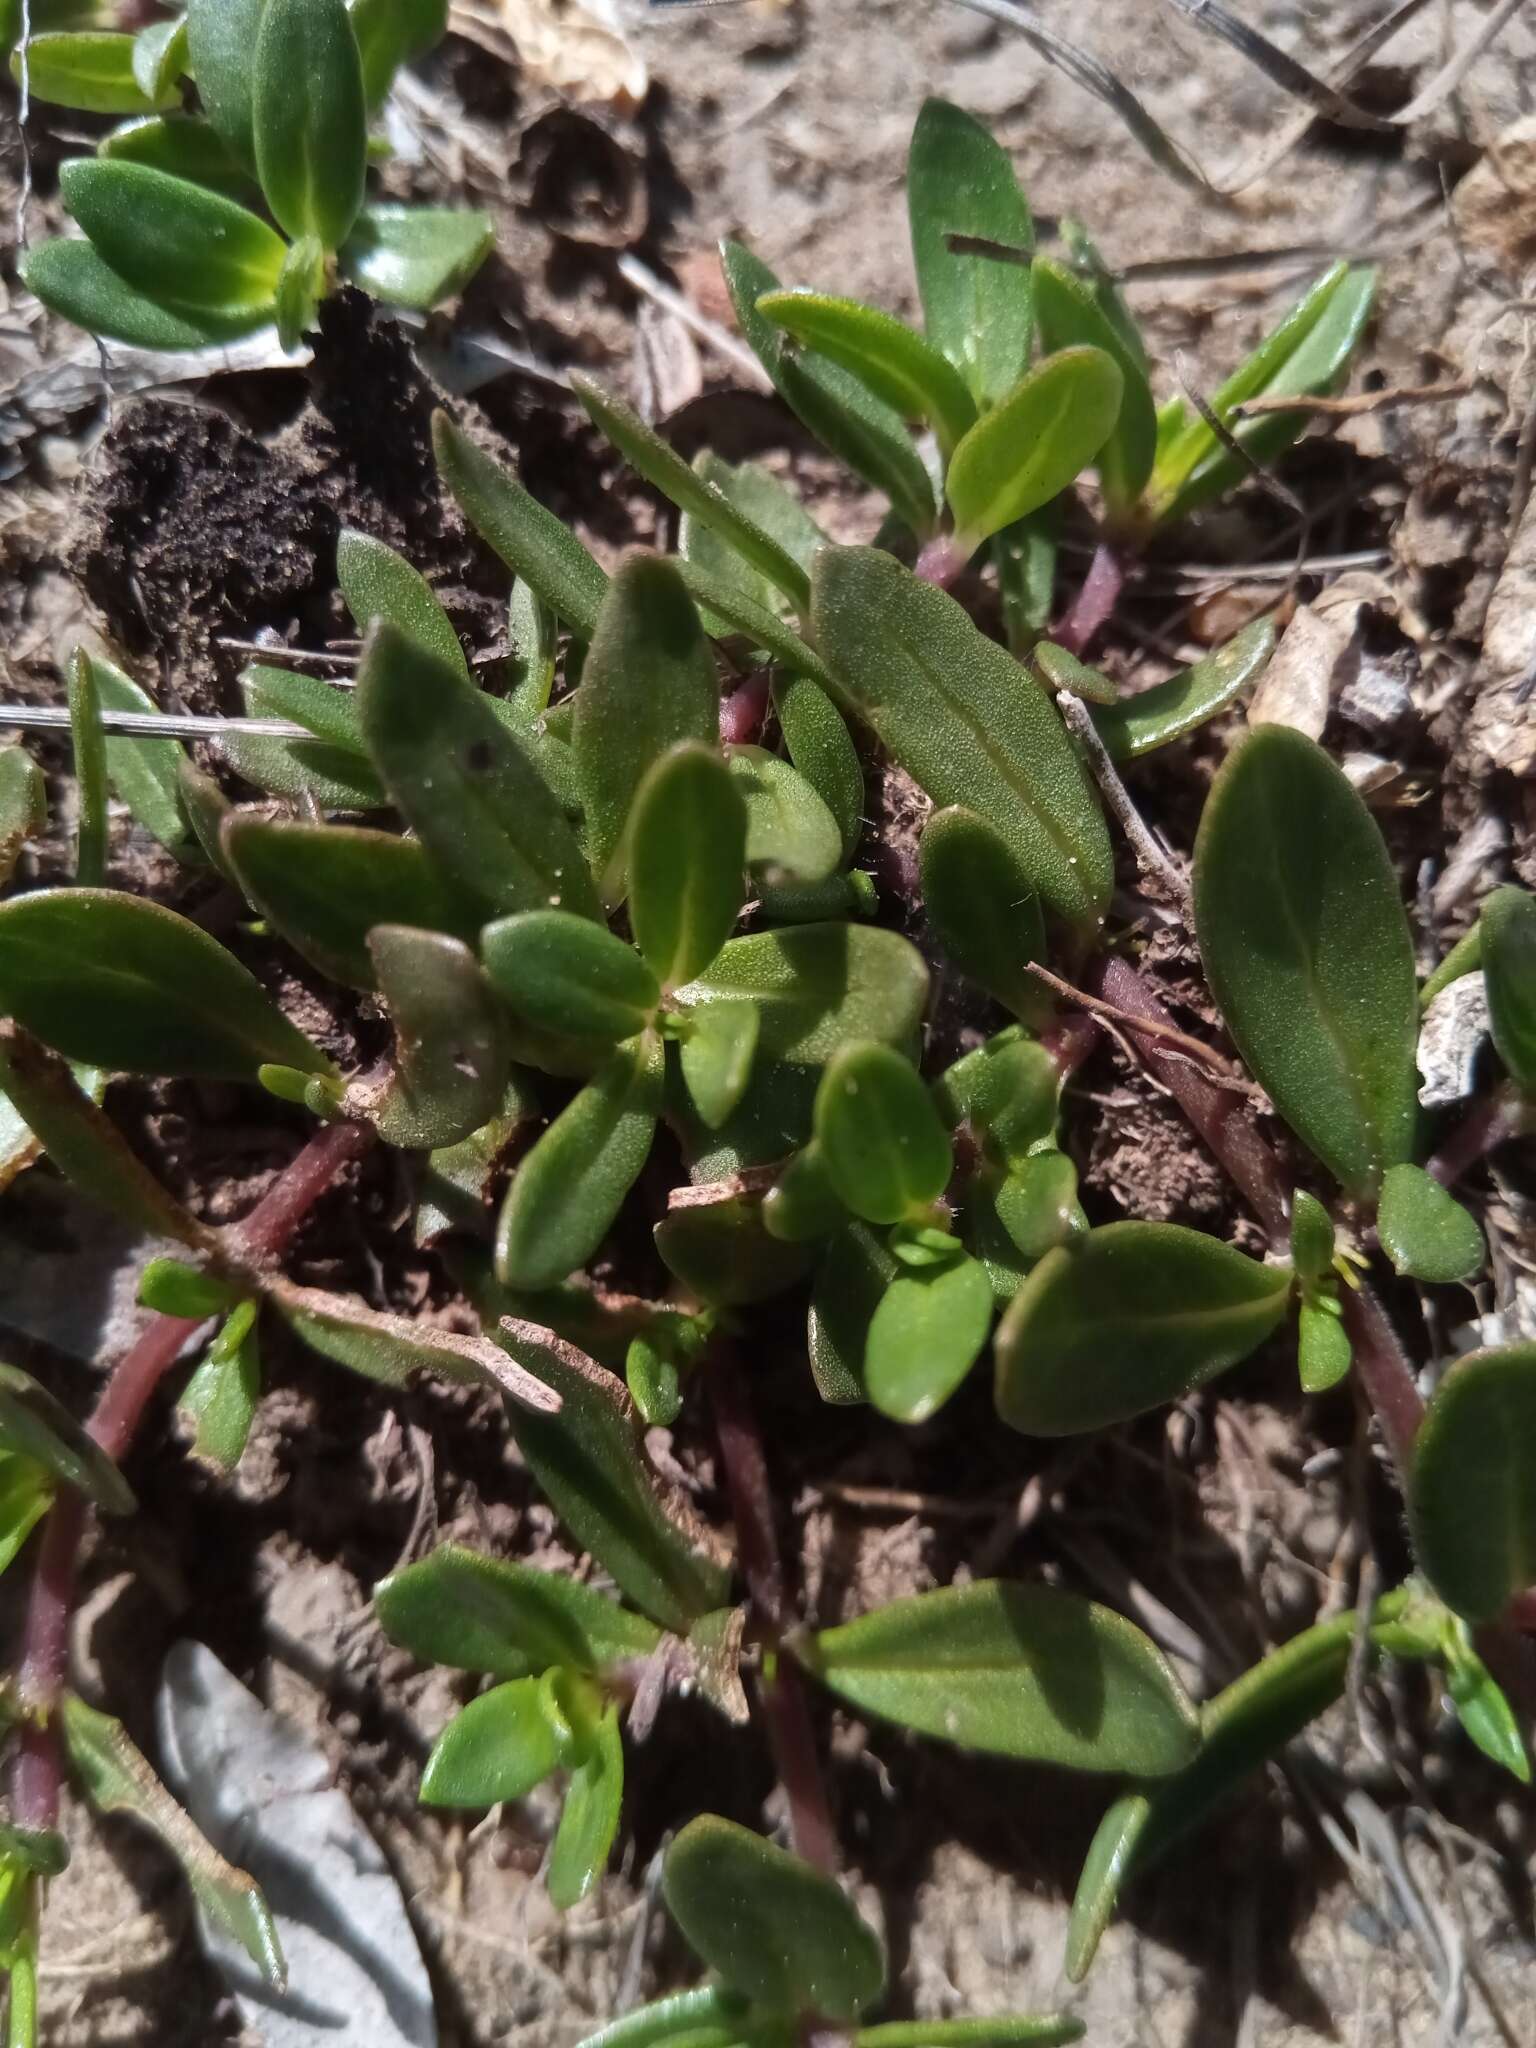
x=1465, y=957
x=687, y=851
x=1037, y=1204
x=325, y=888
x=1010, y=1090
x=589, y=1820
x=1135, y=725
x=978, y=311
x=221, y=1396
x=1482, y=1708
x=1025, y=557
x=768, y=505
x=416, y=256
x=122, y=983
x=91, y=71
x=300, y=288
x=83, y=1142
x=1508, y=926
x=498, y=1747
x=889, y=360
x=23, y=806
x=567, y=974
x=836, y=408
x=791, y=835
x=464, y=785
x=1021, y=1671
x=723, y=1255
x=817, y=986
x=567, y=1192
x=117, y=1779
x=309, y=118
x=146, y=774
x=1425, y=1231
x=643, y=448
x=392, y=1350
x=510, y=1620
x=160, y=59
x=1070, y=316
x=851, y=1280
x=90, y=752
x=187, y=248
x=1033, y=444
x=1134, y=1315
x=648, y=683
x=181, y=146
x=818, y=742
x=965, y=721
x=1307, y=949
x=769, y=1925
x=221, y=41
x=389, y=33
x=1061, y=670
x=710, y=2017
x=532, y=542
x=1472, y=1489
x=451, y=1054
x=1048, y=2029
x=71, y=279
x=925, y=1336
x=1323, y=1351
x=1307, y=355
x=1104, y=1870
x=654, y=1383
x=726, y=612
x=36, y=1426
x=590, y=1462
x=332, y=771
x=1312, y=1239
x=454, y=1182
x=878, y=1134
x=27, y=1492
x=716, y=1057
x=802, y=1204
x=982, y=908
x=172, y=1287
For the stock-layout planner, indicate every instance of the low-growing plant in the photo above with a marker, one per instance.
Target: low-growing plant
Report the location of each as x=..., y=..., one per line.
x=232, y=195
x=615, y=887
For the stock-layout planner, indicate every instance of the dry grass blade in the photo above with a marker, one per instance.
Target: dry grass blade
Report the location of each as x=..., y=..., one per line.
x=154, y=725
x=1321, y=98
x=1353, y=405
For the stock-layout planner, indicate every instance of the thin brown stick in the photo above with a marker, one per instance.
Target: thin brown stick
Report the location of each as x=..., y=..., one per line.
x=1152, y=856
x=1352, y=405
x=1143, y=1026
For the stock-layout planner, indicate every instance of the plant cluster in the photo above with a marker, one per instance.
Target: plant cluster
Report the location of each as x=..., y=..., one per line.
x=615, y=887
x=202, y=220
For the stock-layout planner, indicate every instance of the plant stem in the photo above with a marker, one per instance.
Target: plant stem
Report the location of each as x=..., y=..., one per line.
x=782, y=1692
x=1095, y=601
x=1489, y=1123
x=1385, y=1371
x=1219, y=1115
x=941, y=560
x=35, y=1773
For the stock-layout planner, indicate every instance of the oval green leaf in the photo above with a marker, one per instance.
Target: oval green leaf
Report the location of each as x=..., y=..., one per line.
x=377, y=583
x=1070, y=316
x=416, y=256
x=309, y=118
x=791, y=835
x=325, y=888
x=90, y=70
x=879, y=1136
x=1132, y=1316
x=569, y=975
x=35, y=1425
x=221, y=40
x=72, y=279
x=122, y=983
x=567, y=1192
x=927, y=1333
x=1136, y=725
x=491, y=1614
x=983, y=911
x=1033, y=444
x=965, y=721
x=723, y=1255
x=817, y=740
x=589, y=1819
x=687, y=853
x=716, y=1057
x=146, y=774
x=183, y=147
x=978, y=310
x=769, y=1925
x=499, y=1747
x=180, y=245
x=817, y=986
x=1020, y=1671
x=463, y=783
x=1425, y=1231
x=451, y=1053
x=1307, y=948
x=1472, y=1489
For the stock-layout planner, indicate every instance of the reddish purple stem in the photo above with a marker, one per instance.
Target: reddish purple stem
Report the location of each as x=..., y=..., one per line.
x=1095, y=602
x=782, y=1692
x=44, y=1662
x=1489, y=1123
